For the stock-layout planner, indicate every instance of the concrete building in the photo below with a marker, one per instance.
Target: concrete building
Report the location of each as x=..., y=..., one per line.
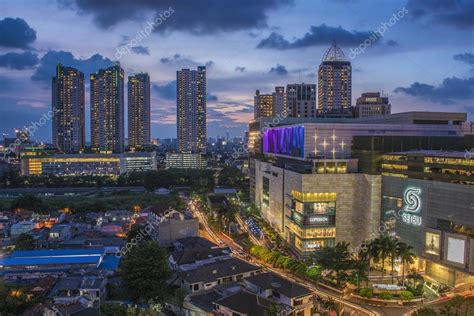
x=139, y=111
x=68, y=120
x=107, y=110
x=372, y=104
x=185, y=161
x=263, y=105
x=334, y=83
x=174, y=226
x=88, y=164
x=191, y=110
x=301, y=100
x=279, y=102
x=427, y=199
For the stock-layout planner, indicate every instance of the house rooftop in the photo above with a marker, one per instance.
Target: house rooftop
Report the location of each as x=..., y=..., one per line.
x=245, y=303
x=272, y=281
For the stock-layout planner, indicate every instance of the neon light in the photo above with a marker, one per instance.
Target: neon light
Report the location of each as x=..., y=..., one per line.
x=412, y=201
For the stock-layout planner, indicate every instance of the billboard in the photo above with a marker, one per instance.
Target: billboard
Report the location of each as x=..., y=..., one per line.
x=288, y=141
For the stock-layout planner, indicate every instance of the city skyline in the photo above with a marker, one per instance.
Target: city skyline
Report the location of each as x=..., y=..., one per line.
x=424, y=73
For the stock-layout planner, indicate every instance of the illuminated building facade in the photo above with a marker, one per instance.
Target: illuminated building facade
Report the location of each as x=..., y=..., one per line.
x=334, y=83
x=191, y=110
x=139, y=119
x=88, y=164
x=107, y=110
x=301, y=100
x=185, y=161
x=427, y=199
x=372, y=104
x=68, y=116
x=263, y=105
x=279, y=102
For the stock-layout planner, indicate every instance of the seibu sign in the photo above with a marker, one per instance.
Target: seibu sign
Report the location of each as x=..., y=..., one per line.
x=412, y=207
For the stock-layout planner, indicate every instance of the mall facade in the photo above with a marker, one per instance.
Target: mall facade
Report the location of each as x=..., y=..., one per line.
x=323, y=181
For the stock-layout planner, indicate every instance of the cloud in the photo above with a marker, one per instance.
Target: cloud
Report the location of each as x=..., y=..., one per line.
x=279, y=70
x=16, y=33
x=448, y=92
x=47, y=66
x=211, y=97
x=457, y=14
x=467, y=58
x=166, y=91
x=240, y=69
x=141, y=50
x=18, y=61
x=184, y=61
x=189, y=16
x=392, y=43
x=317, y=35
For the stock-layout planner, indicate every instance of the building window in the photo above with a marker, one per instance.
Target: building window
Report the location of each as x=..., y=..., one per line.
x=432, y=243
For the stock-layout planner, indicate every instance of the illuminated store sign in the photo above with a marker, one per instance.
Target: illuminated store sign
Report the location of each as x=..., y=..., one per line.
x=412, y=206
x=288, y=141
x=319, y=219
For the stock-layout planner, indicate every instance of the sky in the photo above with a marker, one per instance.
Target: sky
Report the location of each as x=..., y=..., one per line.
x=418, y=52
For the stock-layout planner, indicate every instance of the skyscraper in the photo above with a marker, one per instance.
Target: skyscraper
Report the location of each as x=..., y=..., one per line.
x=263, y=105
x=191, y=110
x=334, y=82
x=372, y=104
x=279, y=102
x=139, y=121
x=107, y=110
x=301, y=100
x=68, y=109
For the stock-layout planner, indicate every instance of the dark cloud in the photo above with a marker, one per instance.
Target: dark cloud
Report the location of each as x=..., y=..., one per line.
x=166, y=91
x=141, y=50
x=16, y=33
x=190, y=16
x=211, y=97
x=392, y=43
x=279, y=70
x=184, y=61
x=317, y=35
x=239, y=69
x=458, y=14
x=467, y=58
x=47, y=66
x=450, y=90
x=18, y=61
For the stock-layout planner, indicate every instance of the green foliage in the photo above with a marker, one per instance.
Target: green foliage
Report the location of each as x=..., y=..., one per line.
x=337, y=259
x=138, y=233
x=232, y=177
x=425, y=311
x=406, y=295
x=24, y=242
x=145, y=271
x=278, y=260
x=385, y=295
x=119, y=310
x=12, y=300
x=28, y=203
x=366, y=292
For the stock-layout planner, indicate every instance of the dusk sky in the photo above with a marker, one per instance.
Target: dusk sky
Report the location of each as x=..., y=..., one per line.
x=423, y=61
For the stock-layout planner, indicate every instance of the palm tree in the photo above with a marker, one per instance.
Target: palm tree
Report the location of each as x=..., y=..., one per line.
x=406, y=255
x=393, y=255
x=385, y=247
x=180, y=296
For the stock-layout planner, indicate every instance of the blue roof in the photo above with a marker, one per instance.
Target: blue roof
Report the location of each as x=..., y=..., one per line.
x=109, y=262
x=25, y=261
x=57, y=252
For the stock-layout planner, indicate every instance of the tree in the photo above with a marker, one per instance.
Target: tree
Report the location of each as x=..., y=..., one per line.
x=457, y=302
x=337, y=259
x=180, y=296
x=272, y=310
x=406, y=255
x=138, y=233
x=383, y=246
x=24, y=242
x=145, y=271
x=425, y=311
x=12, y=300
x=28, y=203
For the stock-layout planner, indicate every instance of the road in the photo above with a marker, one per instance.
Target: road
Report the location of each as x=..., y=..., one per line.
x=351, y=305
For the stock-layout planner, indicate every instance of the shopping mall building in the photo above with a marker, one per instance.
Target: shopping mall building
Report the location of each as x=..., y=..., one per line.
x=323, y=181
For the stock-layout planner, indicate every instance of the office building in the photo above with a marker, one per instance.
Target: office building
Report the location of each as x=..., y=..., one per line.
x=107, y=110
x=301, y=100
x=185, y=161
x=139, y=111
x=279, y=102
x=68, y=119
x=427, y=198
x=334, y=83
x=88, y=164
x=191, y=110
x=263, y=105
x=372, y=104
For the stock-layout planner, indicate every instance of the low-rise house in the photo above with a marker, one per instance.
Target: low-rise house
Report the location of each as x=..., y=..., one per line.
x=60, y=232
x=190, y=243
x=21, y=228
x=120, y=215
x=71, y=289
x=203, y=303
x=283, y=291
x=184, y=260
x=244, y=304
x=223, y=271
